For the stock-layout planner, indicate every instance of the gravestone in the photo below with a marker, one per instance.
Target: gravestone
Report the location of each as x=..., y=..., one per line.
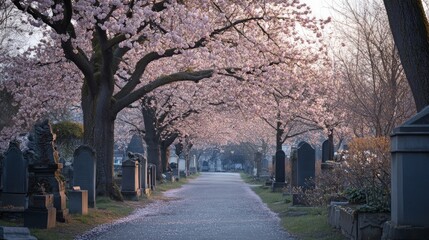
x=18, y=233
x=305, y=165
x=410, y=180
x=152, y=176
x=143, y=175
x=303, y=170
x=84, y=171
x=136, y=145
x=15, y=178
x=327, y=151
x=67, y=172
x=130, y=180
x=280, y=177
x=44, y=169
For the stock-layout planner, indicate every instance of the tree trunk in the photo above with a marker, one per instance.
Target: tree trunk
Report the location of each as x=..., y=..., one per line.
x=279, y=135
x=152, y=140
x=410, y=31
x=165, y=155
x=99, y=134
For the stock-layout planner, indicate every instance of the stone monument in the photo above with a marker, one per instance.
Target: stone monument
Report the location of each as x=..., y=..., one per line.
x=84, y=171
x=44, y=169
x=410, y=180
x=306, y=165
x=15, y=178
x=130, y=180
x=280, y=176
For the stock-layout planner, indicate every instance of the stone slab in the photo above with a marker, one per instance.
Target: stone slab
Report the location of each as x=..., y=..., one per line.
x=15, y=233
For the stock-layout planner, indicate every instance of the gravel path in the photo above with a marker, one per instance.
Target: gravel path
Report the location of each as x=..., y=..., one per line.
x=213, y=206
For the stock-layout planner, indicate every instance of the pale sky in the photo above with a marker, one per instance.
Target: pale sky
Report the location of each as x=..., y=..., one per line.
x=320, y=8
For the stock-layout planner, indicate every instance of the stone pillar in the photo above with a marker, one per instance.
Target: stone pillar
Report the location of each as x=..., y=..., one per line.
x=410, y=180
x=280, y=171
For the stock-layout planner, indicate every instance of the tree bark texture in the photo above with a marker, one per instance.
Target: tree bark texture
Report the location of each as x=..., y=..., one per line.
x=410, y=31
x=152, y=139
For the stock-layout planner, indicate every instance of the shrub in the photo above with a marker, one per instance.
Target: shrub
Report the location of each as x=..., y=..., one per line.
x=67, y=130
x=367, y=168
x=362, y=177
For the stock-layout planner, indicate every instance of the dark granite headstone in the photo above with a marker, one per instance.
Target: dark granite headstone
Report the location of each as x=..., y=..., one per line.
x=130, y=180
x=280, y=166
x=84, y=171
x=306, y=167
x=280, y=176
x=44, y=169
x=136, y=145
x=410, y=180
x=15, y=178
x=327, y=151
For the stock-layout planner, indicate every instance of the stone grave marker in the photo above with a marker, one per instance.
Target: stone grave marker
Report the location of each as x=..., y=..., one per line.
x=327, y=151
x=136, y=145
x=280, y=176
x=15, y=178
x=410, y=180
x=44, y=167
x=130, y=180
x=306, y=166
x=152, y=175
x=18, y=233
x=84, y=171
x=303, y=170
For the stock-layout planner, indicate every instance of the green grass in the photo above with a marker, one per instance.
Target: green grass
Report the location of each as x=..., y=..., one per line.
x=303, y=222
x=107, y=211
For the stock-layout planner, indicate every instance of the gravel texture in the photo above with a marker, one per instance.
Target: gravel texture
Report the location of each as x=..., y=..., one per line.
x=213, y=206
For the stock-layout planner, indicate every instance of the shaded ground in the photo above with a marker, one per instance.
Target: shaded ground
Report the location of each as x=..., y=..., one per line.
x=214, y=206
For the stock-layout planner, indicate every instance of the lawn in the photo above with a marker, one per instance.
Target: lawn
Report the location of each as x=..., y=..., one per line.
x=303, y=222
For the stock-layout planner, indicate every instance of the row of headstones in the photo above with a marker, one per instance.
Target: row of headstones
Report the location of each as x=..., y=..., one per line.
x=302, y=164
x=303, y=169
x=15, y=176
x=138, y=177
x=30, y=180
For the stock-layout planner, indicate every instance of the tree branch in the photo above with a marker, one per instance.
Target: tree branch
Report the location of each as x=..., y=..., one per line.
x=161, y=81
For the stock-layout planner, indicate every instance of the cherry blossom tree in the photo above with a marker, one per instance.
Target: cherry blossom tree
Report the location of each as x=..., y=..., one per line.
x=125, y=49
